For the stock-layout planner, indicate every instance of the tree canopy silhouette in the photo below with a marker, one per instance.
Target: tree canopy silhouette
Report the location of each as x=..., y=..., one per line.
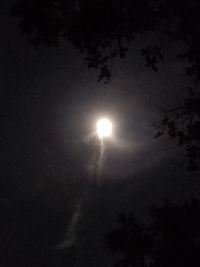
x=103, y=30
x=173, y=238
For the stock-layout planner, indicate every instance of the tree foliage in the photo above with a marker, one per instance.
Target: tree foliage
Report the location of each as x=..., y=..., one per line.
x=131, y=240
x=173, y=239
x=183, y=124
x=103, y=30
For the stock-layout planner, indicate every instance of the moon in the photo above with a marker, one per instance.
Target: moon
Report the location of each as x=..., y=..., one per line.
x=104, y=128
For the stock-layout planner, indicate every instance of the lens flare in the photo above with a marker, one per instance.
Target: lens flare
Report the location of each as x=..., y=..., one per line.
x=104, y=128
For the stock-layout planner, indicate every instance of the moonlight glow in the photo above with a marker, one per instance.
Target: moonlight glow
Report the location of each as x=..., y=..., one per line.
x=104, y=128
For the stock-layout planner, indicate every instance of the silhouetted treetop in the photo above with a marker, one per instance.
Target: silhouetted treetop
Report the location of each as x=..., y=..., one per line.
x=172, y=238
x=183, y=125
x=105, y=29
x=131, y=240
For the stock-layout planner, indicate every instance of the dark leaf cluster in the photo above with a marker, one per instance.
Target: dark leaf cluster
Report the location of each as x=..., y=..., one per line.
x=183, y=125
x=105, y=29
x=131, y=240
x=172, y=239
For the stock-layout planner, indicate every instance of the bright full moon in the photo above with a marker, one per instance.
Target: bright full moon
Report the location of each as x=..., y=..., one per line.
x=104, y=128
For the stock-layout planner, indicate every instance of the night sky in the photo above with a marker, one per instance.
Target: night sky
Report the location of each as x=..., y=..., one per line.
x=50, y=102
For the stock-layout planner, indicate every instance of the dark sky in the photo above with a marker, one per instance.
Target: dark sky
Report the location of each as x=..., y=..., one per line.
x=50, y=102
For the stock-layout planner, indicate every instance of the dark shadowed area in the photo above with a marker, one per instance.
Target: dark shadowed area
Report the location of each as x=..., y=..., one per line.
x=54, y=209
